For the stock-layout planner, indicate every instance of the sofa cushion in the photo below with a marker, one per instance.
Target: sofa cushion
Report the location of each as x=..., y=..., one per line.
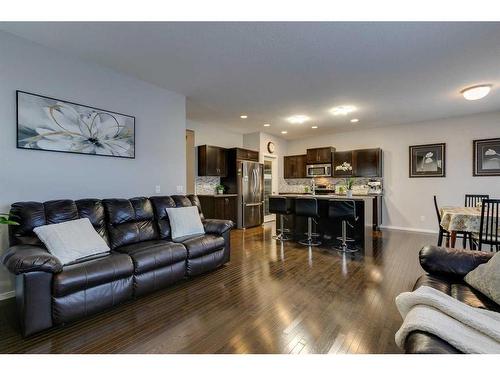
x=160, y=204
x=130, y=221
x=198, y=246
x=91, y=273
x=185, y=221
x=486, y=278
x=150, y=255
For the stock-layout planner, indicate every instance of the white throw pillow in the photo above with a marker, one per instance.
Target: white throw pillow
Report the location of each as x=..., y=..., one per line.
x=72, y=240
x=486, y=278
x=185, y=221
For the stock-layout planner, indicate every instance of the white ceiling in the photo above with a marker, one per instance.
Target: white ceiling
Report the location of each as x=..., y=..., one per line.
x=395, y=73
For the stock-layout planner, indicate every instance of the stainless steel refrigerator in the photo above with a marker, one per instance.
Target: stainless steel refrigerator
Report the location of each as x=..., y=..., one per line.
x=250, y=178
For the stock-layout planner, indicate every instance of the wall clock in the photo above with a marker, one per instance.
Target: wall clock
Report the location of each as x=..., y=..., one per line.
x=271, y=147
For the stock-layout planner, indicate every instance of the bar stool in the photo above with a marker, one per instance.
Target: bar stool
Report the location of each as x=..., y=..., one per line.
x=344, y=210
x=281, y=206
x=308, y=207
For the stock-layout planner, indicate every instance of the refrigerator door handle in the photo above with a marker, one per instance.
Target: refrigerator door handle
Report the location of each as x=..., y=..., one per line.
x=253, y=204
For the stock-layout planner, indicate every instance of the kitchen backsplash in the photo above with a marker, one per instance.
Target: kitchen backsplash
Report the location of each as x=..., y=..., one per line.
x=206, y=185
x=298, y=185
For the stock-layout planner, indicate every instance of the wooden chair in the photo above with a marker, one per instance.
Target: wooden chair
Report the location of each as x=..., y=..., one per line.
x=471, y=200
x=443, y=233
x=488, y=230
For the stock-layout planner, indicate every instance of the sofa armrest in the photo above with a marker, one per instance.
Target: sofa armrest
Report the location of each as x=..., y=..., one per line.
x=448, y=262
x=27, y=258
x=216, y=226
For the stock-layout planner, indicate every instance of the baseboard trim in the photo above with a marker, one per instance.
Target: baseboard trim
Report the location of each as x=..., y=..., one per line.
x=7, y=295
x=407, y=229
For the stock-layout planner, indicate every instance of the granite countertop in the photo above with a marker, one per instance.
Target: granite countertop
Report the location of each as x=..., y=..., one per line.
x=218, y=195
x=326, y=196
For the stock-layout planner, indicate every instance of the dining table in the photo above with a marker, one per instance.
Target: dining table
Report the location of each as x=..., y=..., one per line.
x=460, y=219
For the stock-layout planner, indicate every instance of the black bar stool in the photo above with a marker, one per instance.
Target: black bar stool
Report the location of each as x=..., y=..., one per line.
x=281, y=206
x=345, y=211
x=308, y=207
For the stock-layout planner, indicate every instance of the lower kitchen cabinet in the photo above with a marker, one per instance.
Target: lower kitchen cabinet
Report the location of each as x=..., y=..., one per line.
x=219, y=206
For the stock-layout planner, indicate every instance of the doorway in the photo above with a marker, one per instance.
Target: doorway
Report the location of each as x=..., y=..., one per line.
x=270, y=183
x=190, y=161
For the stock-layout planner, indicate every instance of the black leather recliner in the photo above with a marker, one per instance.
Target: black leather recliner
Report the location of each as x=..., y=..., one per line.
x=143, y=256
x=445, y=271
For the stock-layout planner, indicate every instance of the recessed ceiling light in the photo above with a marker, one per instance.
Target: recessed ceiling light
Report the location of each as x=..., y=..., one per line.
x=355, y=120
x=284, y=132
x=476, y=92
x=342, y=110
x=267, y=125
x=298, y=119
x=314, y=127
x=243, y=116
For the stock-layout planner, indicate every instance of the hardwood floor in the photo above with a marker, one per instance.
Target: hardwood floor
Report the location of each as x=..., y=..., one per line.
x=268, y=299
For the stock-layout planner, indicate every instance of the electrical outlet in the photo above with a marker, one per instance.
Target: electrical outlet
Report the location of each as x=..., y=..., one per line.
x=422, y=218
x=180, y=189
x=157, y=189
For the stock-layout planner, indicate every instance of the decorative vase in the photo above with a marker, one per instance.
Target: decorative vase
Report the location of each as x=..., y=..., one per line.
x=349, y=193
x=220, y=191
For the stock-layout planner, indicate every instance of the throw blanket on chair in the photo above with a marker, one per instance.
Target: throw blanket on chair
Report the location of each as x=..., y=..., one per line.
x=469, y=329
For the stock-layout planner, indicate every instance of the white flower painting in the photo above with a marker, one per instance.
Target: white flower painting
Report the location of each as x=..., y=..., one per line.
x=55, y=125
x=427, y=160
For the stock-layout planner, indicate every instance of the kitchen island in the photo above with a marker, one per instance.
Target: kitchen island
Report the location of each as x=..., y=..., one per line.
x=328, y=228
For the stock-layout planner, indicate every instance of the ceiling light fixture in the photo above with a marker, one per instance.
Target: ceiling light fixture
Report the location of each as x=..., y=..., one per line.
x=342, y=110
x=314, y=127
x=355, y=120
x=298, y=119
x=267, y=125
x=284, y=132
x=476, y=92
x=243, y=116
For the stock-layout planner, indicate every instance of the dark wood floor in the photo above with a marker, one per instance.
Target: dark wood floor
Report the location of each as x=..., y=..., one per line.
x=267, y=300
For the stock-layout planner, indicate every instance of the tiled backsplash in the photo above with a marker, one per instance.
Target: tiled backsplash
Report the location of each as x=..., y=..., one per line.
x=206, y=185
x=298, y=185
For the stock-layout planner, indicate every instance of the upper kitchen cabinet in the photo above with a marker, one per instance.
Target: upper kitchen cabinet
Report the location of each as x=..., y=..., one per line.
x=212, y=161
x=322, y=155
x=294, y=166
x=244, y=154
x=340, y=157
x=367, y=162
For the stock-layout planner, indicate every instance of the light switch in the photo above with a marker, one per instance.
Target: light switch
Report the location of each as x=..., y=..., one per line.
x=157, y=189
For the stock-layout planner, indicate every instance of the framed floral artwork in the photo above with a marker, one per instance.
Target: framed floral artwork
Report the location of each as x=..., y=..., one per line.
x=49, y=124
x=428, y=160
x=486, y=157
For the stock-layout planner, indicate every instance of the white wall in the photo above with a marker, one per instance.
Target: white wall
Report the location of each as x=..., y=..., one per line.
x=408, y=199
x=40, y=175
x=214, y=136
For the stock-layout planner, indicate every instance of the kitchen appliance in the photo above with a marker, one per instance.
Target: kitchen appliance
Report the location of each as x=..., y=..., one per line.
x=319, y=170
x=250, y=177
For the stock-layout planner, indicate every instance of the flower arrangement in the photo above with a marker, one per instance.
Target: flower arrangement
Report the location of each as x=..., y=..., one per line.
x=345, y=166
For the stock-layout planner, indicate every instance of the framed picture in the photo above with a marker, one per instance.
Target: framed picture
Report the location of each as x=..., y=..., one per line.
x=49, y=124
x=486, y=157
x=428, y=160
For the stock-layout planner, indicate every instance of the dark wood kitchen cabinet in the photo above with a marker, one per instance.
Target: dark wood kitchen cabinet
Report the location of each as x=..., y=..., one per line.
x=340, y=157
x=244, y=154
x=322, y=155
x=367, y=162
x=219, y=207
x=212, y=161
x=294, y=166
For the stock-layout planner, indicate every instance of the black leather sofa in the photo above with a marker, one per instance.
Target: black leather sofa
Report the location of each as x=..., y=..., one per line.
x=143, y=256
x=445, y=269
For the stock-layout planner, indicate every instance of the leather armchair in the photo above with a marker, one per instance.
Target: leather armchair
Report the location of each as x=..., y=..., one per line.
x=445, y=269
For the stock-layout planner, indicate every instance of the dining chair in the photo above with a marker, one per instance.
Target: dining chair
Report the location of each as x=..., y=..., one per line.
x=471, y=200
x=488, y=229
x=443, y=233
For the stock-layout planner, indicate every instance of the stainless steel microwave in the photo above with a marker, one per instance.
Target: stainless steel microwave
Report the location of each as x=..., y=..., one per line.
x=319, y=170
